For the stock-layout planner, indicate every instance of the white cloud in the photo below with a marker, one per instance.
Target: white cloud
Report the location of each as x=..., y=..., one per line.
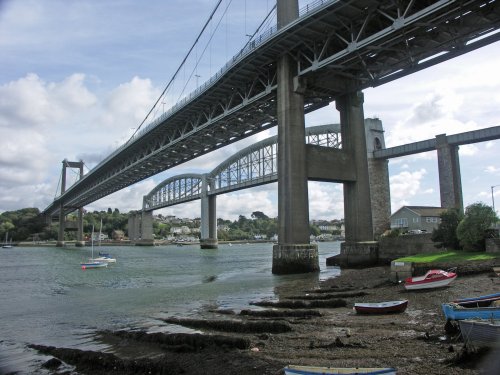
x=30, y=102
x=404, y=186
x=326, y=200
x=230, y=206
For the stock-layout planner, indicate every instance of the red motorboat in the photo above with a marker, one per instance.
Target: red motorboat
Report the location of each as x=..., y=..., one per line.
x=381, y=307
x=432, y=279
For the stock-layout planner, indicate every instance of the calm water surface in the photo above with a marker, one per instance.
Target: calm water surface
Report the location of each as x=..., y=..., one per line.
x=46, y=298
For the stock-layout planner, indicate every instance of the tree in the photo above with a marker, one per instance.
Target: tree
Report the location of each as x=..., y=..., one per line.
x=259, y=215
x=314, y=230
x=446, y=233
x=475, y=226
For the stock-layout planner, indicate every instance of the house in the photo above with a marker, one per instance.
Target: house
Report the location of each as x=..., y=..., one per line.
x=118, y=235
x=417, y=219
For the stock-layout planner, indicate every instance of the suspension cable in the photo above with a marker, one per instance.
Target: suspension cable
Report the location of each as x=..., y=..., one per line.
x=204, y=50
x=177, y=71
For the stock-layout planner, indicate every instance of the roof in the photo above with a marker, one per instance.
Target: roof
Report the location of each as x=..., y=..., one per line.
x=424, y=210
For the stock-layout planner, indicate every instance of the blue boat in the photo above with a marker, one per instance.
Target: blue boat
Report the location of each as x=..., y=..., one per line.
x=480, y=301
x=313, y=370
x=454, y=311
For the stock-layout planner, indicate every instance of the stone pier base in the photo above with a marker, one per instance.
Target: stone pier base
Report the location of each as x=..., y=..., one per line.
x=79, y=243
x=144, y=243
x=209, y=243
x=60, y=244
x=355, y=254
x=295, y=258
x=400, y=271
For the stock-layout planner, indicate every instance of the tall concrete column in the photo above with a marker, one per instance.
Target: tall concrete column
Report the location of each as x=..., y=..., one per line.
x=62, y=217
x=208, y=218
x=79, y=235
x=357, y=202
x=293, y=253
x=132, y=227
x=147, y=238
x=450, y=182
x=378, y=170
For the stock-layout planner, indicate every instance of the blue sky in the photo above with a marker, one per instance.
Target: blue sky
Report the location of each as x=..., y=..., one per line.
x=78, y=77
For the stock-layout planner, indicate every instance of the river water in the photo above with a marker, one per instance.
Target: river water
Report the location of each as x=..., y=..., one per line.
x=46, y=298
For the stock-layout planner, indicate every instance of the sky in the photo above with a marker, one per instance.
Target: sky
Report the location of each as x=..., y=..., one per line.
x=77, y=78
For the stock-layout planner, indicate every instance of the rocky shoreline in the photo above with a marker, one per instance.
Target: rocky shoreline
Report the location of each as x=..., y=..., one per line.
x=310, y=327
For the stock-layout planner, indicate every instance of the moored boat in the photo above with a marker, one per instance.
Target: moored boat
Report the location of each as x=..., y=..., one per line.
x=90, y=265
x=315, y=370
x=454, y=311
x=104, y=257
x=480, y=333
x=381, y=307
x=432, y=279
x=479, y=301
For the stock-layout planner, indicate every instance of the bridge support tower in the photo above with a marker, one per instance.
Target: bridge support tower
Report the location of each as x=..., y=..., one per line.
x=208, y=238
x=140, y=228
x=450, y=182
x=62, y=217
x=293, y=253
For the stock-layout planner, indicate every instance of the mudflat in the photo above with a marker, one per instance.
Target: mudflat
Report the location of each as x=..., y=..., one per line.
x=309, y=327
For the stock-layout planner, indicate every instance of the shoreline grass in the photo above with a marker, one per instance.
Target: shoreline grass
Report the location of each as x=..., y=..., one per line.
x=448, y=256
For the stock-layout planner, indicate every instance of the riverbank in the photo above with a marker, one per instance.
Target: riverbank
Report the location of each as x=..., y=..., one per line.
x=312, y=327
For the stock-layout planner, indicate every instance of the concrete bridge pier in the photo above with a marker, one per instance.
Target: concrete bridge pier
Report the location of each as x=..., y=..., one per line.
x=359, y=246
x=60, y=234
x=79, y=234
x=450, y=182
x=134, y=230
x=293, y=253
x=208, y=238
x=146, y=229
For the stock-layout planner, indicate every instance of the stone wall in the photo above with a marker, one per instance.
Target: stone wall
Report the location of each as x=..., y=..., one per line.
x=493, y=245
x=391, y=248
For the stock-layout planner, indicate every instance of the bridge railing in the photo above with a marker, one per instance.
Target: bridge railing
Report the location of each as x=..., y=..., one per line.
x=244, y=52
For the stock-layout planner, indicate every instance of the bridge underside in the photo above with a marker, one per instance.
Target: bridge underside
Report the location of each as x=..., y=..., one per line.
x=337, y=47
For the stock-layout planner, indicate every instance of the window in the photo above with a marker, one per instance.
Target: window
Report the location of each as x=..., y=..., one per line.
x=416, y=219
x=400, y=223
x=432, y=219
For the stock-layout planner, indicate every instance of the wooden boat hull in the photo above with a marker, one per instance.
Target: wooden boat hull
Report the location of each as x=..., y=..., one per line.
x=432, y=279
x=480, y=333
x=389, y=307
x=312, y=370
x=479, y=301
x=453, y=311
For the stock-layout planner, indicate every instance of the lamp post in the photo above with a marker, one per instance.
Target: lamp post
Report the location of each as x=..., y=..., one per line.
x=493, y=197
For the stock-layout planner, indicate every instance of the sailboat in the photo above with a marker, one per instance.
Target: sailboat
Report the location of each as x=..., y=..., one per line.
x=7, y=245
x=103, y=257
x=92, y=263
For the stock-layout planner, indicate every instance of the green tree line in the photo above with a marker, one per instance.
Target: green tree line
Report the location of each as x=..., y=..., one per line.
x=29, y=223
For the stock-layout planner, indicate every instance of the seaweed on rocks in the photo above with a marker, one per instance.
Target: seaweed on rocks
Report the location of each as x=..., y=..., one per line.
x=328, y=296
x=331, y=303
x=281, y=313
x=233, y=325
x=181, y=341
x=107, y=363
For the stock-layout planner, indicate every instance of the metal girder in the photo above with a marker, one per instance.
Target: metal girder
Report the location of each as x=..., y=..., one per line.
x=339, y=46
x=474, y=136
x=174, y=190
x=252, y=166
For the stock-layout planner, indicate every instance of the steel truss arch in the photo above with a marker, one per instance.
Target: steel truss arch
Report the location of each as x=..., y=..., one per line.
x=257, y=164
x=174, y=190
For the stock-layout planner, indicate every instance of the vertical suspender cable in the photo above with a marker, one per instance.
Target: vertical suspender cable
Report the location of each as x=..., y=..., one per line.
x=178, y=69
